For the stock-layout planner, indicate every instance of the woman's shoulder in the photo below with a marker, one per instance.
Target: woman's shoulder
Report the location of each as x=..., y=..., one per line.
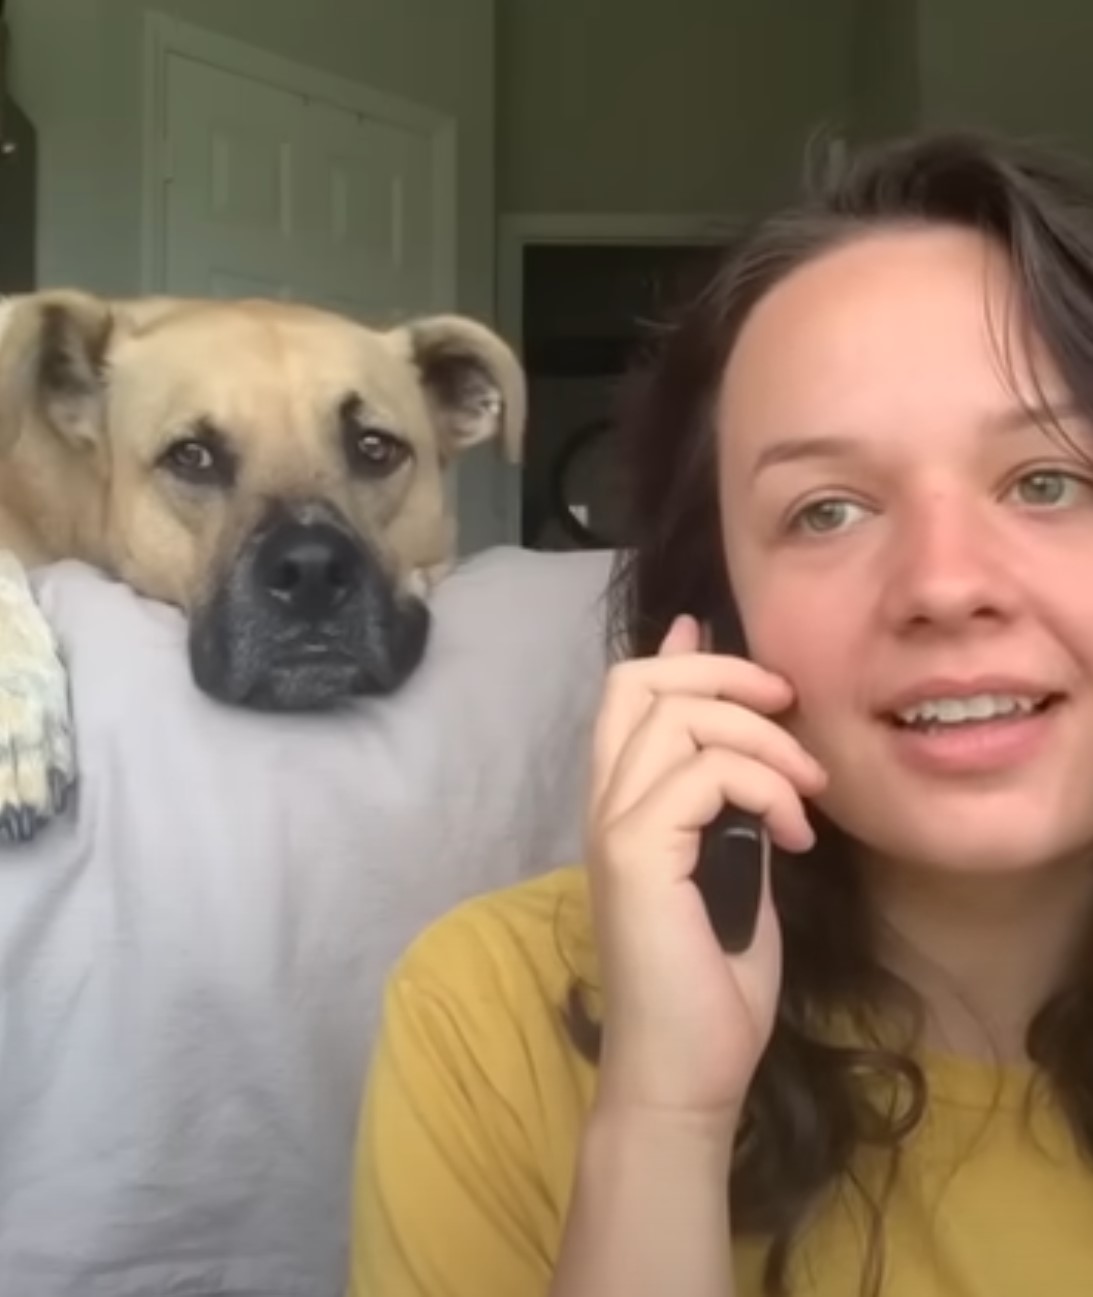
x=487, y=992
x=533, y=937
x=476, y=1089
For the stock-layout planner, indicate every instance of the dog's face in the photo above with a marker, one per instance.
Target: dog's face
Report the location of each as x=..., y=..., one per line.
x=276, y=471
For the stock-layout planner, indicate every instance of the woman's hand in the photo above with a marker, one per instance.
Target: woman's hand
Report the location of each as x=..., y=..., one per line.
x=678, y=736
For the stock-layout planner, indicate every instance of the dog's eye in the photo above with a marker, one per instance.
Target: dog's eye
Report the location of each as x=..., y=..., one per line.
x=377, y=453
x=196, y=460
x=193, y=456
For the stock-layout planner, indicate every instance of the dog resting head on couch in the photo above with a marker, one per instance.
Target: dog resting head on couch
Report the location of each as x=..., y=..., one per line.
x=275, y=470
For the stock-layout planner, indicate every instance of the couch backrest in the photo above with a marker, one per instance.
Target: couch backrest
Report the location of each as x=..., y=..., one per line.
x=191, y=965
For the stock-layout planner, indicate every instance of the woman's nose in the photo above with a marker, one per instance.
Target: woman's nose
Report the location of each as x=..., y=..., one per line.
x=946, y=565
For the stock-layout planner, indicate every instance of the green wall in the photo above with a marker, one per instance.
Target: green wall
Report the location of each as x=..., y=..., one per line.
x=57, y=77
x=78, y=69
x=645, y=106
x=1012, y=65
x=885, y=72
x=1007, y=65
x=602, y=105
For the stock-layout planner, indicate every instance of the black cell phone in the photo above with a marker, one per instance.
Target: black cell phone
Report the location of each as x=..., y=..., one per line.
x=733, y=853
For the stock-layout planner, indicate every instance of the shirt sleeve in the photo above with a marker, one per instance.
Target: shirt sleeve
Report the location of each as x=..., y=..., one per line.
x=446, y=1199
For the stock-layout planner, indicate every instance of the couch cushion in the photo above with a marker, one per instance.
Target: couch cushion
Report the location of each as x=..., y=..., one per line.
x=191, y=963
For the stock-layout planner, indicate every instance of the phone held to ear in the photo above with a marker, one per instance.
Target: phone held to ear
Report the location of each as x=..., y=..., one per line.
x=733, y=856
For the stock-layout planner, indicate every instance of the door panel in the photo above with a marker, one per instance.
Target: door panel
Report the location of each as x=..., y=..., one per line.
x=273, y=191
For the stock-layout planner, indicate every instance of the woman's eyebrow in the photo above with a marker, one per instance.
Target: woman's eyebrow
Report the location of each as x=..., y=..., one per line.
x=1035, y=414
x=794, y=450
x=835, y=446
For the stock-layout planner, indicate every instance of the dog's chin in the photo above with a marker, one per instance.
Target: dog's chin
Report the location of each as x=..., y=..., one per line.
x=240, y=659
x=303, y=686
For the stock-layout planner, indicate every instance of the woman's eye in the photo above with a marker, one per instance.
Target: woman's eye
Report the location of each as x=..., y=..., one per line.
x=1050, y=488
x=824, y=516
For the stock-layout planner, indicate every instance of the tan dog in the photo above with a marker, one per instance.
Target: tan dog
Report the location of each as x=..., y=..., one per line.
x=274, y=470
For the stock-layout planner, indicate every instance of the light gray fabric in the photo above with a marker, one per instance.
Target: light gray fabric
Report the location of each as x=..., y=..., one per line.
x=190, y=966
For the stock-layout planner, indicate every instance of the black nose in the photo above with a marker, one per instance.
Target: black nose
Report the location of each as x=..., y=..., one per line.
x=308, y=569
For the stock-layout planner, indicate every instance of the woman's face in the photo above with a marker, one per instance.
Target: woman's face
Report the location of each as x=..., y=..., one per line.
x=914, y=552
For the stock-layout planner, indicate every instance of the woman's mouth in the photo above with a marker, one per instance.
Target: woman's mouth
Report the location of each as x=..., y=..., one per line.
x=976, y=709
x=977, y=733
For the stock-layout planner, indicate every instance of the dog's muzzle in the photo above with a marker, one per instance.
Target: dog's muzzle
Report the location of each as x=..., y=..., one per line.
x=305, y=617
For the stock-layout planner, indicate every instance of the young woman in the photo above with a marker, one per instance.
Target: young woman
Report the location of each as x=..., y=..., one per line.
x=877, y=419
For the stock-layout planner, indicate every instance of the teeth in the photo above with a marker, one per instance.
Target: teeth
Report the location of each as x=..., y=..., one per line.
x=958, y=711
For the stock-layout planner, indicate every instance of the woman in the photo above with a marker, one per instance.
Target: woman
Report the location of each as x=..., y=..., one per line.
x=878, y=417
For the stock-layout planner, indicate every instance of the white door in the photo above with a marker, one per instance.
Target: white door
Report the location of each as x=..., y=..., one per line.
x=269, y=189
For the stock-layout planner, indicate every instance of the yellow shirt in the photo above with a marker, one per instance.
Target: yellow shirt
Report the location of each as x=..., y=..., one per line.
x=474, y=1111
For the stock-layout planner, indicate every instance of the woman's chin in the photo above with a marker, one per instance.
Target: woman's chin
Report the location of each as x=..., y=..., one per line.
x=980, y=844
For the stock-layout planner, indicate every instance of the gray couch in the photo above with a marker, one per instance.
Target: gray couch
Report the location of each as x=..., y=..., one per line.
x=191, y=962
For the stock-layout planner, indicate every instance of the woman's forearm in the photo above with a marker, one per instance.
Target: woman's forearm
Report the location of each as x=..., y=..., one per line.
x=649, y=1211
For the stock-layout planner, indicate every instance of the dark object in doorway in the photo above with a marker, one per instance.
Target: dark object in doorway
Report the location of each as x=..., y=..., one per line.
x=580, y=444
x=18, y=183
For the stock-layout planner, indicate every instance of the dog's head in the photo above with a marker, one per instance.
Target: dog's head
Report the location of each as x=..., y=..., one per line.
x=275, y=470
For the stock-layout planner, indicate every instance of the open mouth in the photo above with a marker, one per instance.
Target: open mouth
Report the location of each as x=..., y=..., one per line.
x=940, y=715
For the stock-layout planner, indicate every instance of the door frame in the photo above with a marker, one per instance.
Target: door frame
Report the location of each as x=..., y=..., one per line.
x=517, y=230
x=165, y=36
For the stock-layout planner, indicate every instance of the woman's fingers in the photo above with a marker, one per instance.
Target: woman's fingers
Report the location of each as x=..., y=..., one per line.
x=675, y=728
x=633, y=687
x=665, y=821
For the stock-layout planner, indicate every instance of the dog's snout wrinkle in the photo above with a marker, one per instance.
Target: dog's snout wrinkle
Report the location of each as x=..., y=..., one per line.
x=304, y=511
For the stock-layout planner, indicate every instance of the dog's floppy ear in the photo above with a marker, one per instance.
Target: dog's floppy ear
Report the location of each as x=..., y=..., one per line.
x=473, y=381
x=53, y=358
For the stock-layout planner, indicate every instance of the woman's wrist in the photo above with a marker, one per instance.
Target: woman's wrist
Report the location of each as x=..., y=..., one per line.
x=618, y=1130
x=649, y=1212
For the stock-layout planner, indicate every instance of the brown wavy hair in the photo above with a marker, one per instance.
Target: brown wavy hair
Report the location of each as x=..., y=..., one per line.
x=816, y=1104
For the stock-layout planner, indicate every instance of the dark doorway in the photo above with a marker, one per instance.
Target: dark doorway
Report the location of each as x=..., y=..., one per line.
x=586, y=314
